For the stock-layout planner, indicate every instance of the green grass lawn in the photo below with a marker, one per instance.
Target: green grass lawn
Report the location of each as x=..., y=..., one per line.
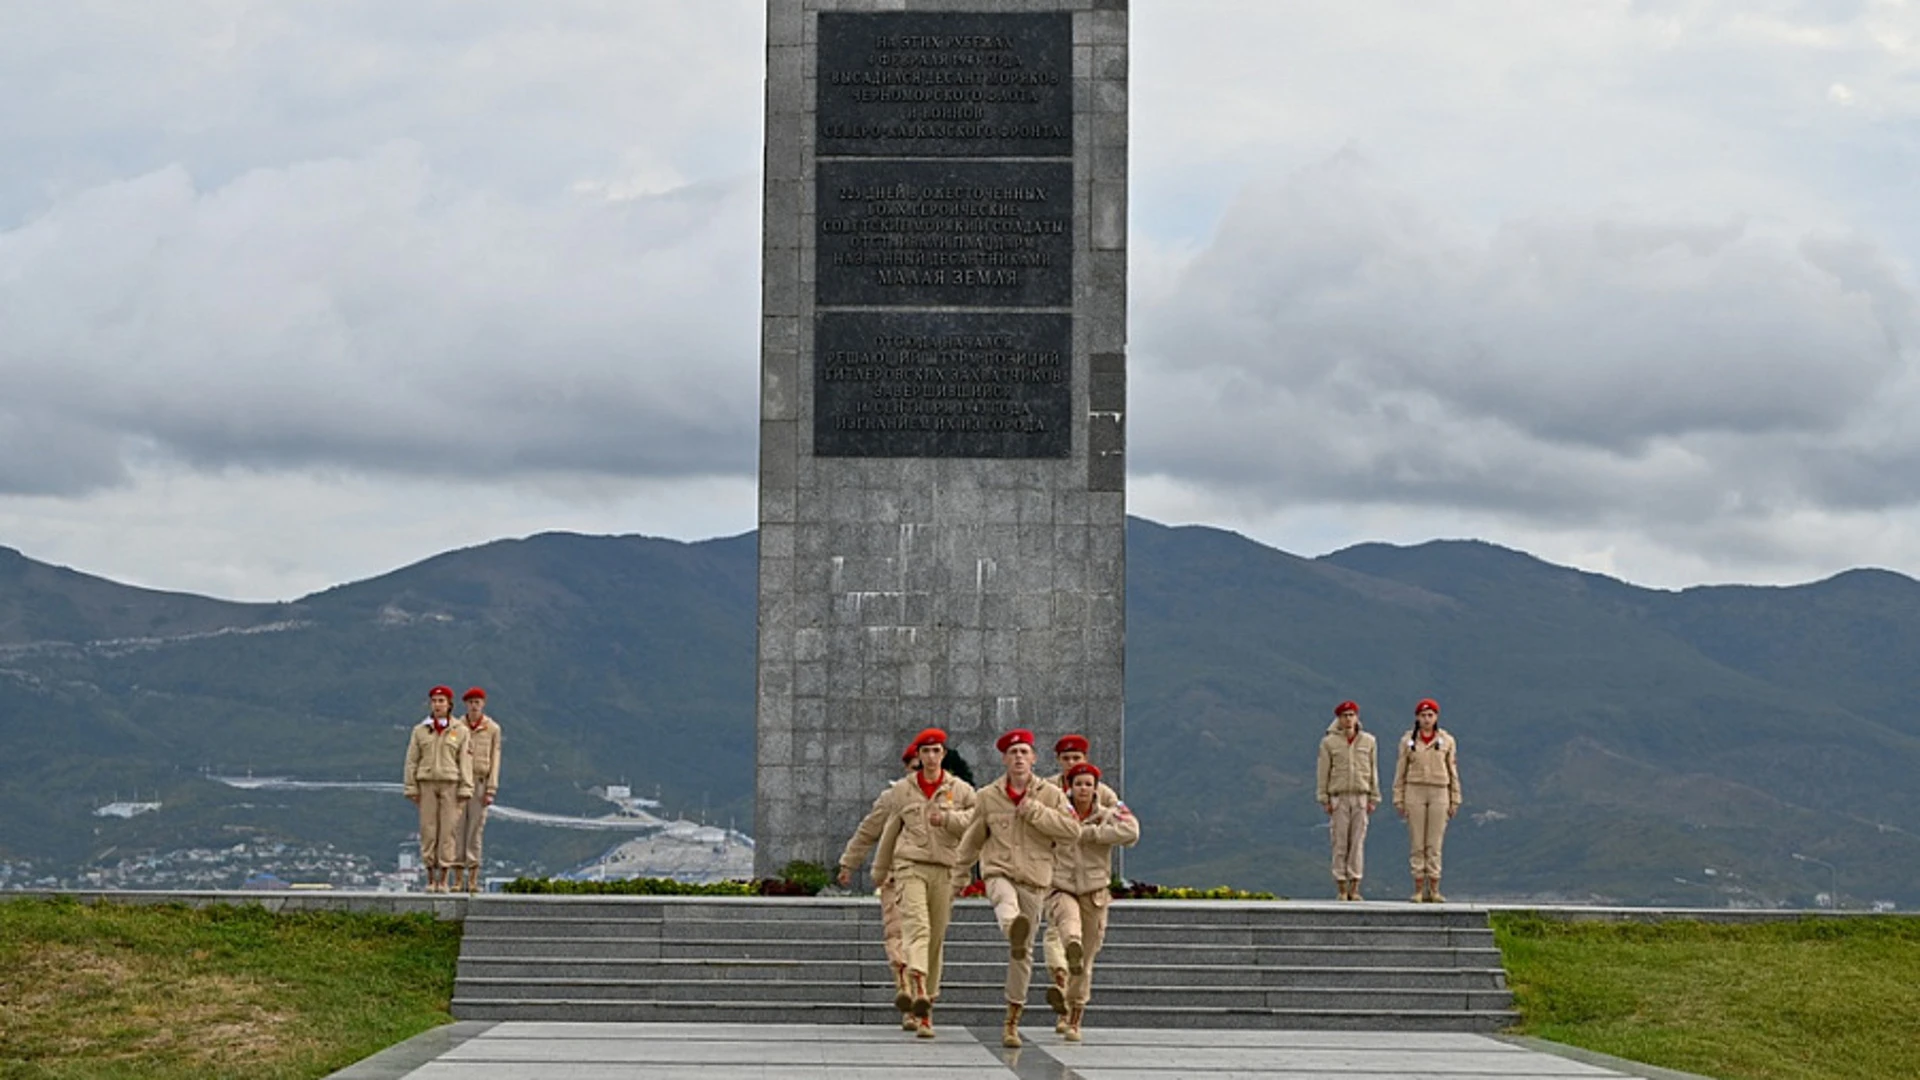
x=1806, y=1000
x=156, y=993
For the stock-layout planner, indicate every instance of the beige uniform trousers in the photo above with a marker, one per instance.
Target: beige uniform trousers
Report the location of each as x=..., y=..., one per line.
x=1427, y=825
x=1084, y=918
x=473, y=823
x=439, y=823
x=1055, y=951
x=1349, y=828
x=1010, y=899
x=890, y=922
x=926, y=903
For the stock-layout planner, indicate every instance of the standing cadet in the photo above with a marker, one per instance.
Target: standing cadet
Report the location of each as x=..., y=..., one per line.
x=483, y=739
x=1347, y=786
x=1068, y=751
x=1013, y=833
x=1426, y=791
x=924, y=835
x=871, y=827
x=438, y=777
x=1082, y=873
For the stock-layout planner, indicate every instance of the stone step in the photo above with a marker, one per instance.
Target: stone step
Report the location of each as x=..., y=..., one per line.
x=955, y=993
x=987, y=1017
x=873, y=951
x=977, y=930
x=866, y=909
x=856, y=973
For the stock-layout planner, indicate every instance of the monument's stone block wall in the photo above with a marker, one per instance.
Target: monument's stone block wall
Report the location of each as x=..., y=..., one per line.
x=942, y=469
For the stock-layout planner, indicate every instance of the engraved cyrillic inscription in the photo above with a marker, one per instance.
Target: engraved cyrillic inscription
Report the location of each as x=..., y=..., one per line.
x=943, y=84
x=964, y=234
x=942, y=384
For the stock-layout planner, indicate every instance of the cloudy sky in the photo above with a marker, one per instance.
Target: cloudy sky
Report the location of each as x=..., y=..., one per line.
x=295, y=293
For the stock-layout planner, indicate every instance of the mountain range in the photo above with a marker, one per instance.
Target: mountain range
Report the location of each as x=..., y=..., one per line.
x=1617, y=743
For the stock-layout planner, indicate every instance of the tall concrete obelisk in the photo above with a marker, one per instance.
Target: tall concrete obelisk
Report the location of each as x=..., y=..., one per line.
x=943, y=393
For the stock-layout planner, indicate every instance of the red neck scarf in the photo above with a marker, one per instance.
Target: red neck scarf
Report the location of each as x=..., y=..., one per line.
x=476, y=725
x=927, y=788
x=1429, y=736
x=1015, y=796
x=440, y=724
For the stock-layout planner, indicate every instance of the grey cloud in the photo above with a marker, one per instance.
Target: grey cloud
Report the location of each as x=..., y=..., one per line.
x=1341, y=340
x=369, y=314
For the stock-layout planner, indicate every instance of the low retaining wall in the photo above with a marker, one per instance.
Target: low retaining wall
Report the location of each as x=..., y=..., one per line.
x=453, y=906
x=441, y=906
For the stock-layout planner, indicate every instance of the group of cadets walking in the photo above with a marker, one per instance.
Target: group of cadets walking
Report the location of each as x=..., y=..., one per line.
x=452, y=774
x=1046, y=845
x=1426, y=792
x=1043, y=844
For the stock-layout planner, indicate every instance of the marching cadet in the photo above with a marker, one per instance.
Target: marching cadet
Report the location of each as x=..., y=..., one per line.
x=1426, y=791
x=923, y=833
x=864, y=838
x=1082, y=871
x=438, y=777
x=1347, y=786
x=1013, y=833
x=1068, y=751
x=483, y=741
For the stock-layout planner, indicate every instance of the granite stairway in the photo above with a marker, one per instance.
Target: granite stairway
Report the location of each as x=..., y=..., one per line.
x=1187, y=964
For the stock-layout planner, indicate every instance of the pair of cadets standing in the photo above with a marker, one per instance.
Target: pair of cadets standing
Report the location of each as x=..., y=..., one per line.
x=1037, y=845
x=1426, y=792
x=448, y=763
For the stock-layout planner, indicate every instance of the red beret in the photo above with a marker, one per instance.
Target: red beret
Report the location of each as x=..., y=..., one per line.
x=441, y=691
x=1071, y=743
x=911, y=753
x=1085, y=768
x=1346, y=706
x=474, y=692
x=932, y=736
x=1425, y=704
x=1016, y=737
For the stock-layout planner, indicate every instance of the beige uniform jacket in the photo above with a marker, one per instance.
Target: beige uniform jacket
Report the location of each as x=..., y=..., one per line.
x=1347, y=768
x=485, y=744
x=1103, y=794
x=1427, y=763
x=910, y=837
x=1085, y=864
x=874, y=824
x=1016, y=841
x=442, y=755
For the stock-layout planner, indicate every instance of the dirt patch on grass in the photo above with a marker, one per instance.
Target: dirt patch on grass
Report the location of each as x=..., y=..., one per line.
x=67, y=1002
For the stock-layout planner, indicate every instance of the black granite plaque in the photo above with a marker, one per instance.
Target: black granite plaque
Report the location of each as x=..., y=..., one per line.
x=945, y=84
x=944, y=233
x=943, y=384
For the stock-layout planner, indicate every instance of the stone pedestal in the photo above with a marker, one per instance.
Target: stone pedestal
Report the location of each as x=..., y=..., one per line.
x=943, y=394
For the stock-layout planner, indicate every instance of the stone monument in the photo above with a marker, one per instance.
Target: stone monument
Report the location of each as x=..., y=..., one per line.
x=943, y=394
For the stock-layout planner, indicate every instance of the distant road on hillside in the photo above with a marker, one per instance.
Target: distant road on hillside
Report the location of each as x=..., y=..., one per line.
x=631, y=819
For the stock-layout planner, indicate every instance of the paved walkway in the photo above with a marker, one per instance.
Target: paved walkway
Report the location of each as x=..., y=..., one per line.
x=549, y=1051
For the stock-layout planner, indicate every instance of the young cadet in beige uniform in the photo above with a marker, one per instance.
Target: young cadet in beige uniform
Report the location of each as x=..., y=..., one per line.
x=864, y=838
x=1082, y=874
x=923, y=833
x=1426, y=791
x=1068, y=751
x=1347, y=786
x=438, y=777
x=1013, y=832
x=483, y=741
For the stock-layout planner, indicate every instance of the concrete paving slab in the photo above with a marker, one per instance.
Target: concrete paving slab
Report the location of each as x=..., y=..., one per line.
x=604, y=1051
